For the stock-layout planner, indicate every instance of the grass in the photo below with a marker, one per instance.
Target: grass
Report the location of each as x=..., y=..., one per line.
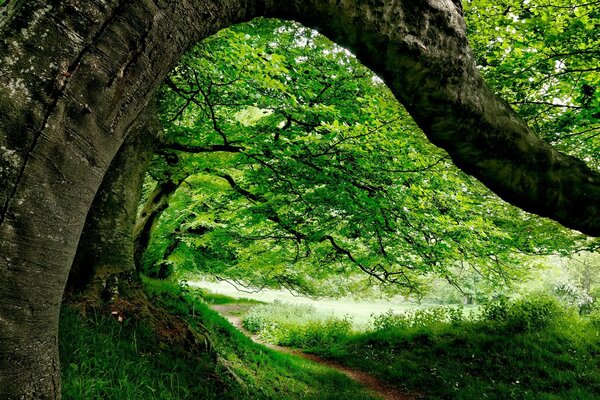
x=296, y=325
x=528, y=349
x=105, y=359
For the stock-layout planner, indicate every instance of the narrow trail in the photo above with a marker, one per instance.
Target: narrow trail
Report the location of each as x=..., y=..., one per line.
x=379, y=388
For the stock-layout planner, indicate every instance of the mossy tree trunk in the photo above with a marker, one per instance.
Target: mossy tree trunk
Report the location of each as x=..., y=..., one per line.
x=104, y=265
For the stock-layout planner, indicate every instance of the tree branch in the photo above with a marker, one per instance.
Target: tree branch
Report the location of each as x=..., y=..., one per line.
x=203, y=149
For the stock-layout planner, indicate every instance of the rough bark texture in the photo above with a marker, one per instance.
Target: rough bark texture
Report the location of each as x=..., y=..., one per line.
x=75, y=74
x=104, y=261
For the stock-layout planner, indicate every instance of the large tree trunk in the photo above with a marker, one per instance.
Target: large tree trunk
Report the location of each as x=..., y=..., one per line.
x=104, y=263
x=104, y=275
x=74, y=76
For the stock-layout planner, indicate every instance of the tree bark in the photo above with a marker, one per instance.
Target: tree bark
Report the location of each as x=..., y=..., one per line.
x=104, y=262
x=75, y=75
x=157, y=202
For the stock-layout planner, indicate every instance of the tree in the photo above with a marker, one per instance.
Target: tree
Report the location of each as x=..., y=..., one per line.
x=70, y=91
x=320, y=175
x=105, y=253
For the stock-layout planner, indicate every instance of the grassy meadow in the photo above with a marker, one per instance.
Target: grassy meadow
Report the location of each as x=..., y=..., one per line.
x=529, y=348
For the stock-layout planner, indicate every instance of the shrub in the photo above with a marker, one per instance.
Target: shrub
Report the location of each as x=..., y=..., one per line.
x=296, y=325
x=527, y=314
x=277, y=313
x=326, y=333
x=421, y=318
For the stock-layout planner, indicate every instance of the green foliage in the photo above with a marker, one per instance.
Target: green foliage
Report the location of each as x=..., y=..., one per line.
x=530, y=348
x=525, y=314
x=322, y=183
x=574, y=280
x=542, y=56
x=429, y=317
x=326, y=333
x=277, y=313
x=103, y=358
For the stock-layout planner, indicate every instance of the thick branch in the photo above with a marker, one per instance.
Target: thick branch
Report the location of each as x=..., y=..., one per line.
x=420, y=49
x=203, y=149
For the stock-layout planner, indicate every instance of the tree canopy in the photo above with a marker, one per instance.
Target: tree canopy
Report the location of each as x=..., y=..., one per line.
x=296, y=167
x=76, y=80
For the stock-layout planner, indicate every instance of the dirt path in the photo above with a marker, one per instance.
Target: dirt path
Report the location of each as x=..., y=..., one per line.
x=381, y=389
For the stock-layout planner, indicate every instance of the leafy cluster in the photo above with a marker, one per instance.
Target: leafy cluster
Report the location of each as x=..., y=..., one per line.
x=542, y=57
x=297, y=168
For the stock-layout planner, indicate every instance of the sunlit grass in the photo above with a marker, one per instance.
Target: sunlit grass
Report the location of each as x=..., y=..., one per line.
x=526, y=349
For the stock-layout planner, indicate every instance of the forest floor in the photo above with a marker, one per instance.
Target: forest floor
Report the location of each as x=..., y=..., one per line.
x=384, y=391
x=527, y=349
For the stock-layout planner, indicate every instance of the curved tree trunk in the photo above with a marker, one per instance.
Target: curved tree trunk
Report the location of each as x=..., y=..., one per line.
x=74, y=77
x=104, y=263
x=76, y=74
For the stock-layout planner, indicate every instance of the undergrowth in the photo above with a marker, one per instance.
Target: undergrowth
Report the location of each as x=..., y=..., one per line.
x=103, y=358
x=531, y=348
x=296, y=325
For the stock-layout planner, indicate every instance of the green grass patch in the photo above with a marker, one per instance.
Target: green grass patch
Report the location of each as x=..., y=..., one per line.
x=106, y=359
x=525, y=349
x=295, y=325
